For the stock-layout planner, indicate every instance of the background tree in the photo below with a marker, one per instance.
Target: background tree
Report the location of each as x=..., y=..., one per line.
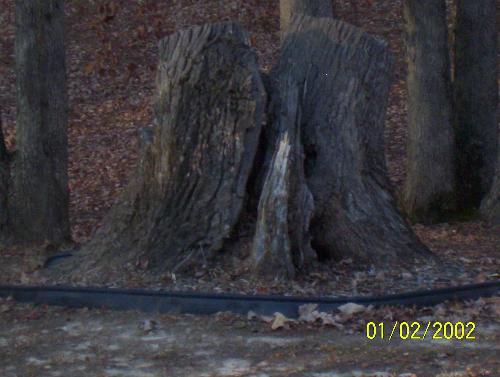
x=38, y=184
x=313, y=8
x=491, y=203
x=4, y=180
x=430, y=183
x=476, y=98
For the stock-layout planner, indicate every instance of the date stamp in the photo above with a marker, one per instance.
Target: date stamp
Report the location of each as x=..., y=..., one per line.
x=434, y=330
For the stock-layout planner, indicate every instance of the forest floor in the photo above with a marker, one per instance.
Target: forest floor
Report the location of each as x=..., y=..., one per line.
x=112, y=59
x=50, y=341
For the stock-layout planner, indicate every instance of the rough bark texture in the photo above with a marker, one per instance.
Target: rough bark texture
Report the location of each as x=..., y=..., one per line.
x=476, y=98
x=4, y=183
x=341, y=77
x=282, y=244
x=313, y=8
x=490, y=207
x=316, y=172
x=190, y=186
x=39, y=205
x=430, y=182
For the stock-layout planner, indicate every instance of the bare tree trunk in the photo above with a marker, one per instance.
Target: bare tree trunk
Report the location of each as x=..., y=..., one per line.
x=313, y=8
x=490, y=206
x=429, y=191
x=4, y=183
x=491, y=203
x=476, y=98
x=190, y=187
x=39, y=206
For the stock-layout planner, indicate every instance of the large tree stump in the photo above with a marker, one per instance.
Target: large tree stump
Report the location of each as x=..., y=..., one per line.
x=316, y=173
x=343, y=77
x=189, y=190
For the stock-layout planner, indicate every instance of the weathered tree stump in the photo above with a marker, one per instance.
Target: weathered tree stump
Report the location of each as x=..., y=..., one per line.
x=343, y=77
x=190, y=186
x=316, y=172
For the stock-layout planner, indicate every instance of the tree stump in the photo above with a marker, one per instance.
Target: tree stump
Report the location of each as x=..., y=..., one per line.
x=316, y=171
x=340, y=78
x=190, y=186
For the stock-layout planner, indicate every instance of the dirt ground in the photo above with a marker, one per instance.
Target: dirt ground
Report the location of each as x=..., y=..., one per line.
x=46, y=342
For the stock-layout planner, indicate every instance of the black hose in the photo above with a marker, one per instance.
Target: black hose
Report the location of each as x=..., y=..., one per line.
x=208, y=303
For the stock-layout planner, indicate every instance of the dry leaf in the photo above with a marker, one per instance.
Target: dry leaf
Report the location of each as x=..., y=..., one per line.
x=351, y=308
x=279, y=321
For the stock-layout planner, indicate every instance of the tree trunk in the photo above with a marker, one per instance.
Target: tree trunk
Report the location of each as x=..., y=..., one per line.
x=313, y=8
x=39, y=205
x=190, y=187
x=429, y=191
x=4, y=184
x=491, y=204
x=476, y=98
x=343, y=75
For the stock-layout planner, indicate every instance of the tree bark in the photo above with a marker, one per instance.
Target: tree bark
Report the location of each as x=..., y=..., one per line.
x=335, y=81
x=4, y=184
x=317, y=169
x=190, y=187
x=429, y=191
x=282, y=244
x=491, y=203
x=39, y=205
x=490, y=206
x=313, y=8
x=476, y=98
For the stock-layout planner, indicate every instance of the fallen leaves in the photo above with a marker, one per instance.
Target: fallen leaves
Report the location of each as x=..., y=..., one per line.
x=279, y=321
x=351, y=308
x=148, y=325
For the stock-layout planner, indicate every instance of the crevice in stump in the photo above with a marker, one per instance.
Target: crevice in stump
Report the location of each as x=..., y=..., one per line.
x=281, y=244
